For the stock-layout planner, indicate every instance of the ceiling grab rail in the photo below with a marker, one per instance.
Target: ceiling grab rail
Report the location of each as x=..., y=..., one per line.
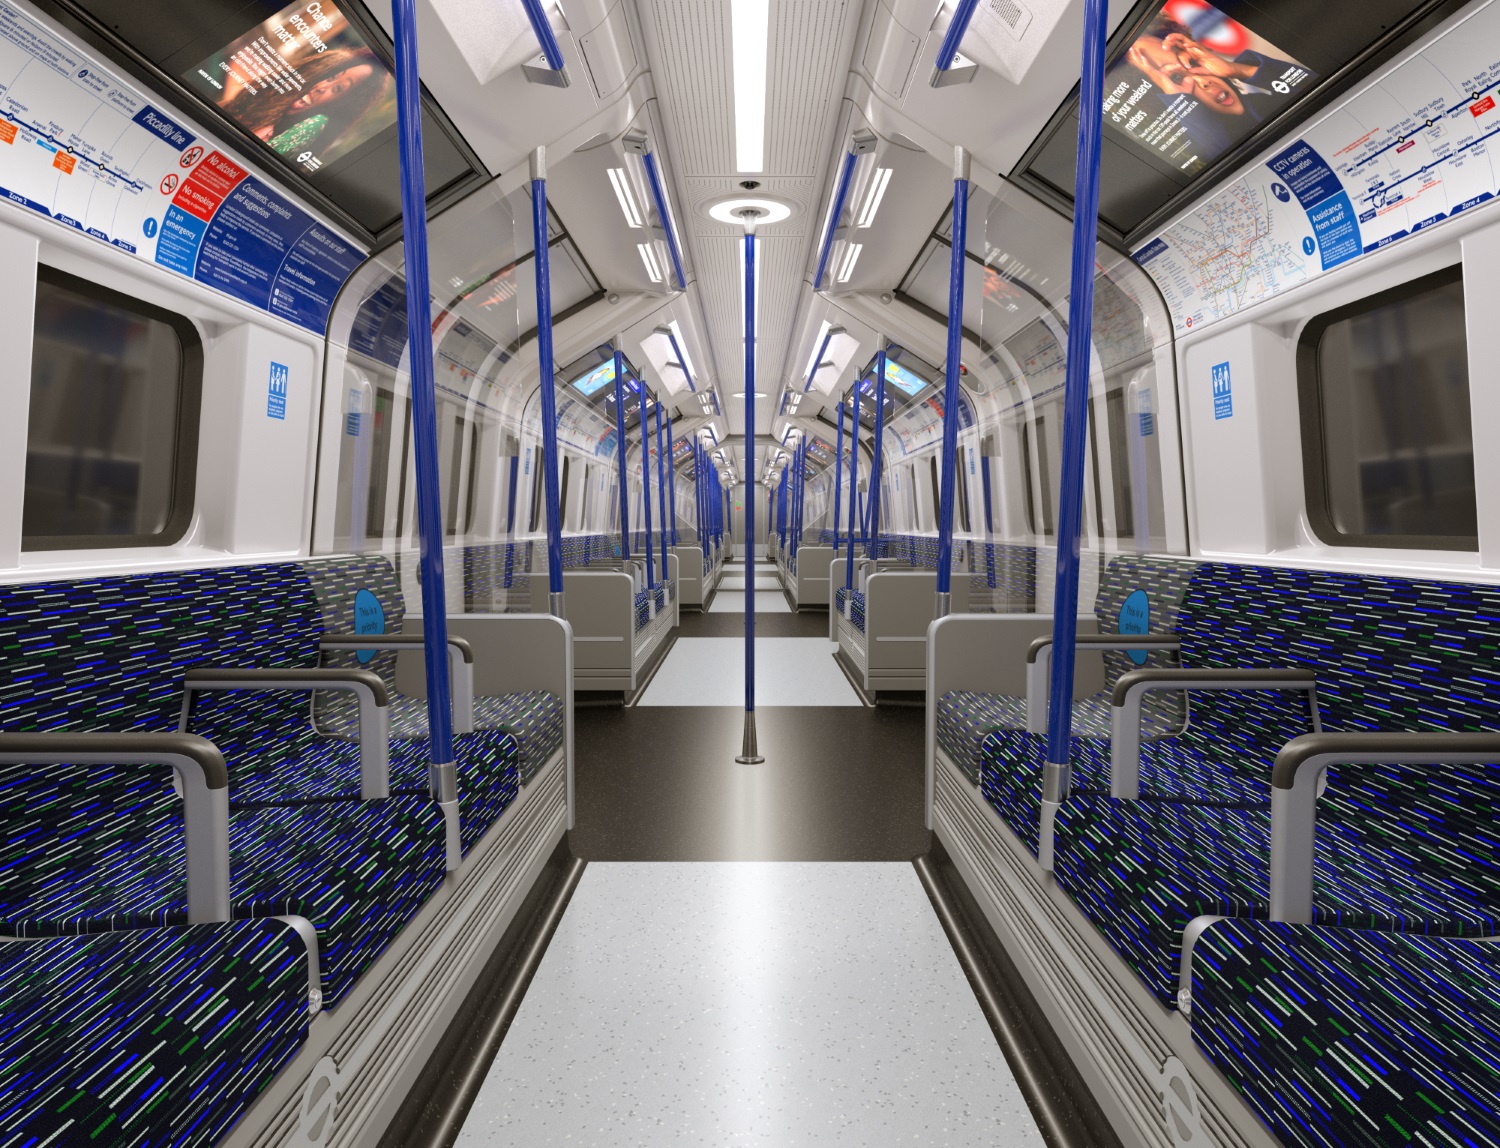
x=749, y=751
x=620, y=455
x=1056, y=776
x=442, y=772
x=658, y=195
x=951, y=372
x=682, y=363
x=547, y=370
x=551, y=50
x=817, y=362
x=862, y=144
x=872, y=531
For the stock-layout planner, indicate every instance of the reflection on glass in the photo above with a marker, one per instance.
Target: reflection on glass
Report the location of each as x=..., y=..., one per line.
x=106, y=393
x=1398, y=446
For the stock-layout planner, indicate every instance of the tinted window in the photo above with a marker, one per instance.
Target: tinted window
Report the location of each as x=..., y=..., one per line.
x=1385, y=405
x=112, y=428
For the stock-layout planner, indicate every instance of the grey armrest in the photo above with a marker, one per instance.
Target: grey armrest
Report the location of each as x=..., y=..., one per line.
x=205, y=795
x=1039, y=666
x=1130, y=695
x=1300, y=767
x=366, y=685
x=460, y=666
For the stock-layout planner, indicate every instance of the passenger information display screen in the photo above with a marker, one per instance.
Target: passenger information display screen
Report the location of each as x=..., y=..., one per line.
x=596, y=380
x=305, y=83
x=1194, y=83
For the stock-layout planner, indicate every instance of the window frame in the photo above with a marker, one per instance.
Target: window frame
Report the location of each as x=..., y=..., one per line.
x=184, y=486
x=1312, y=423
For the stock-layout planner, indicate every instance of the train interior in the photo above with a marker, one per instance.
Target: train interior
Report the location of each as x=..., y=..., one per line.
x=778, y=572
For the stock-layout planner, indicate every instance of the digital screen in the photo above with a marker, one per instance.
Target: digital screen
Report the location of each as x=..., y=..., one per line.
x=304, y=82
x=596, y=380
x=1194, y=83
x=898, y=376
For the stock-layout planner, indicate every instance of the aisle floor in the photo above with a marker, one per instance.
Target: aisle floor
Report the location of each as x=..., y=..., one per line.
x=749, y=1003
x=788, y=672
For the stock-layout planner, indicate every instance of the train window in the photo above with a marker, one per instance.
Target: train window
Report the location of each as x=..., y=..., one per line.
x=1388, y=446
x=112, y=429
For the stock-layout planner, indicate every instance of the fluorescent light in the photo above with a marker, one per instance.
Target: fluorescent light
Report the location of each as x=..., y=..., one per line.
x=851, y=257
x=758, y=394
x=750, y=22
x=648, y=257
x=627, y=201
x=877, y=193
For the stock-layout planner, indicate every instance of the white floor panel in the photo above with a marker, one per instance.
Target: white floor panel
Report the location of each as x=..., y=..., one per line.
x=762, y=582
x=749, y=1003
x=788, y=672
x=733, y=602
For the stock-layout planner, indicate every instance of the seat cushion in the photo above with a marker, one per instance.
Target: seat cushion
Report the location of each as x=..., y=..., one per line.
x=965, y=719
x=153, y=1037
x=1142, y=870
x=358, y=870
x=1362, y=1039
x=856, y=602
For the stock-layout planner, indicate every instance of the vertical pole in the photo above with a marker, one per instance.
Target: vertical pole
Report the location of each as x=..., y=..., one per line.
x=620, y=455
x=646, y=494
x=442, y=773
x=749, y=751
x=950, y=390
x=838, y=480
x=548, y=378
x=661, y=494
x=872, y=532
x=853, y=487
x=1056, y=776
x=672, y=477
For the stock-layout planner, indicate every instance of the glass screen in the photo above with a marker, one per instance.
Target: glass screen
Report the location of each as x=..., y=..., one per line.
x=596, y=380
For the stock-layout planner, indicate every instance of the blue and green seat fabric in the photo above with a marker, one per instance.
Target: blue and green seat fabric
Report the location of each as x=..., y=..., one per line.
x=1350, y=1037
x=91, y=848
x=985, y=734
x=1407, y=848
x=152, y=1038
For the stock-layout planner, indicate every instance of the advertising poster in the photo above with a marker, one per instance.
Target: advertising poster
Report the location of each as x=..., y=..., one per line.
x=1194, y=83
x=304, y=82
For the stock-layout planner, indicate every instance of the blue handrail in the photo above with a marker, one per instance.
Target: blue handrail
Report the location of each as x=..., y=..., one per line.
x=840, y=198
x=646, y=487
x=750, y=753
x=661, y=493
x=838, y=480
x=672, y=487
x=653, y=177
x=551, y=49
x=443, y=776
x=951, y=373
x=955, y=34
x=548, y=371
x=681, y=358
x=818, y=358
x=872, y=532
x=620, y=455
x=1056, y=777
x=853, y=486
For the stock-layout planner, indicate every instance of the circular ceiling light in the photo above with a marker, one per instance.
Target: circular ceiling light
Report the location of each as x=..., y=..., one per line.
x=771, y=210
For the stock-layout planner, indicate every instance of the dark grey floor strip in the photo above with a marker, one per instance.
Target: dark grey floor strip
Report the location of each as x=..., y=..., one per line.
x=435, y=1109
x=1064, y=1109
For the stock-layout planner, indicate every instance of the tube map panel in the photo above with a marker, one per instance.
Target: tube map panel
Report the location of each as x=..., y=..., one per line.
x=85, y=149
x=1401, y=156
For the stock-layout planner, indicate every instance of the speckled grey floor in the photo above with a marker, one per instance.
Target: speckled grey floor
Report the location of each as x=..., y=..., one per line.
x=788, y=672
x=749, y=1003
x=733, y=602
x=762, y=582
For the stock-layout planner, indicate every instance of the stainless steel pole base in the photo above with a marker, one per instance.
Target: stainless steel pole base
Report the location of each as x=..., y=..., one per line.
x=559, y=610
x=749, y=751
x=944, y=603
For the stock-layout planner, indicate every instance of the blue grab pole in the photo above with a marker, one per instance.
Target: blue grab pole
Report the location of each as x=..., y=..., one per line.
x=955, y=34
x=653, y=178
x=620, y=455
x=853, y=488
x=681, y=358
x=548, y=380
x=951, y=373
x=672, y=474
x=1056, y=778
x=443, y=775
x=661, y=493
x=872, y=532
x=749, y=751
x=838, y=480
x=646, y=488
x=545, y=37
x=840, y=198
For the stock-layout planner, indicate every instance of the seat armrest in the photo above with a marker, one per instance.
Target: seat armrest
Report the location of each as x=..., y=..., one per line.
x=1039, y=666
x=1295, y=785
x=1125, y=711
x=460, y=665
x=366, y=685
x=205, y=795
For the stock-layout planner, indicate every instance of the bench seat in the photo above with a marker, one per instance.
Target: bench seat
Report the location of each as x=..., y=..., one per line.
x=157, y=1036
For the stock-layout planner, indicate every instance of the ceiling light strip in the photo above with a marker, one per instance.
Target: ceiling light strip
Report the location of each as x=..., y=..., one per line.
x=750, y=24
x=877, y=193
x=653, y=177
x=627, y=201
